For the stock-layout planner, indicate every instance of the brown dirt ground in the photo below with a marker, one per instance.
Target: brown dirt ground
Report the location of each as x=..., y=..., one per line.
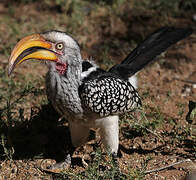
x=166, y=93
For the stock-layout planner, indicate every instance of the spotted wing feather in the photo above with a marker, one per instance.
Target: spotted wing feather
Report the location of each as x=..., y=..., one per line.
x=109, y=95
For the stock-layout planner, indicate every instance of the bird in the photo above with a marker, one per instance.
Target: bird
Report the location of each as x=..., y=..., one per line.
x=83, y=93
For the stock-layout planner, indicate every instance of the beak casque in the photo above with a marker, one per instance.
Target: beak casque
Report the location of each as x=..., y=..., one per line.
x=31, y=47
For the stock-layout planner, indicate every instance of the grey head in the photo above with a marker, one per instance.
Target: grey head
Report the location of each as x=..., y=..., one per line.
x=66, y=49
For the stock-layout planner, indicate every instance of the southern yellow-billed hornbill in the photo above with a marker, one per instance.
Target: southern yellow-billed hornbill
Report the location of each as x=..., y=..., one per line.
x=87, y=96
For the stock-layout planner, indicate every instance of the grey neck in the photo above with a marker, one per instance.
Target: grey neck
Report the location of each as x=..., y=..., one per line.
x=62, y=90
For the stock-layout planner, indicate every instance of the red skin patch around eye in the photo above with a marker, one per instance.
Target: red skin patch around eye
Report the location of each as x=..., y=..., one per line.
x=61, y=67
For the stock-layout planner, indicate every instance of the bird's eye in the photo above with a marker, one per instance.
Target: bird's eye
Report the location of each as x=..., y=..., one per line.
x=59, y=46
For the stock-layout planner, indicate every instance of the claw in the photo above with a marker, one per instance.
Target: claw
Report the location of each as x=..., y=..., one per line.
x=85, y=164
x=59, y=167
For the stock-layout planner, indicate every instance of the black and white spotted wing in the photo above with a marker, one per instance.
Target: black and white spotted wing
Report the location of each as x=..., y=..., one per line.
x=109, y=95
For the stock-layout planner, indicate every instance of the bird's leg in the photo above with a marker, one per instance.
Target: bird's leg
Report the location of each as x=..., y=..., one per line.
x=79, y=135
x=109, y=132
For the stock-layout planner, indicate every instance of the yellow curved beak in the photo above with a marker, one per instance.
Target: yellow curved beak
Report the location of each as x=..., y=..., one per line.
x=31, y=47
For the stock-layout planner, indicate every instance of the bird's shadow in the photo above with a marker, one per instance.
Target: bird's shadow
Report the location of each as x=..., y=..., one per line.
x=43, y=136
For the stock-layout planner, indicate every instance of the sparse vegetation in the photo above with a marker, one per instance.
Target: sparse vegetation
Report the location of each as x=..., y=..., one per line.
x=157, y=135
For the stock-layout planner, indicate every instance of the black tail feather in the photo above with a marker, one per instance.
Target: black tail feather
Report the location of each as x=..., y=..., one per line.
x=145, y=52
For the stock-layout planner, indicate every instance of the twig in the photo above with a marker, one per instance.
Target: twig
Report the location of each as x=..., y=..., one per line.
x=166, y=167
x=186, y=81
x=152, y=132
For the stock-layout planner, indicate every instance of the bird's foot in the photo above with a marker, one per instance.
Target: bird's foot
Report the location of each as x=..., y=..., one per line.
x=60, y=166
x=115, y=159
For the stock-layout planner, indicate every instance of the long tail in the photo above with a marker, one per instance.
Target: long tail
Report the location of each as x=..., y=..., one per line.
x=145, y=52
